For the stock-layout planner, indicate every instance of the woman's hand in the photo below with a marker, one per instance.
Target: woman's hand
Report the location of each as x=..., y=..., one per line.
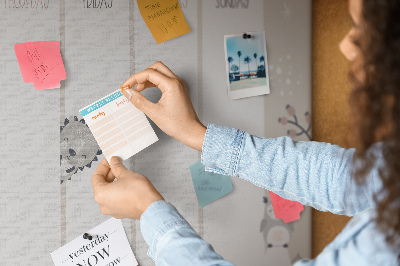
x=128, y=196
x=174, y=112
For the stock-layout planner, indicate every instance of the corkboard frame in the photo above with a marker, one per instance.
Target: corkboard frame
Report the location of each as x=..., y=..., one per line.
x=330, y=97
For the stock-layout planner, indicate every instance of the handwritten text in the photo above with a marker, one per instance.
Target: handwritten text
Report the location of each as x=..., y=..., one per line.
x=162, y=11
x=122, y=102
x=232, y=3
x=26, y=3
x=100, y=114
x=97, y=3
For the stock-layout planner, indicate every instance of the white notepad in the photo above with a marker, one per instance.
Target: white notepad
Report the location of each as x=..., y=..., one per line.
x=118, y=126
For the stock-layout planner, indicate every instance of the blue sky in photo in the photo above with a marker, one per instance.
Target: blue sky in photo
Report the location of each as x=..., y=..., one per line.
x=248, y=47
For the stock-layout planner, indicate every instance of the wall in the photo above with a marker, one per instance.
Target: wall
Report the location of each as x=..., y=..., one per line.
x=331, y=90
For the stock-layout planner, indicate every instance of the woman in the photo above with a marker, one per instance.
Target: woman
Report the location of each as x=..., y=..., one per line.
x=362, y=182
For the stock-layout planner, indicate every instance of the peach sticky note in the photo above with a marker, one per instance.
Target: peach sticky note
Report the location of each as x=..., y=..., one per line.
x=164, y=18
x=284, y=209
x=41, y=63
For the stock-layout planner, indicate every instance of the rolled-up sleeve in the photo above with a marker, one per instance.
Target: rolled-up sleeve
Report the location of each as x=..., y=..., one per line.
x=172, y=241
x=313, y=173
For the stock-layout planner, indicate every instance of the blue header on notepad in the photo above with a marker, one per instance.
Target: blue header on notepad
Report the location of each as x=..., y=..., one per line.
x=100, y=103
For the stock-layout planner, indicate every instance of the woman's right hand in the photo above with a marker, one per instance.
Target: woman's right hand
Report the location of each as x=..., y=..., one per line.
x=173, y=113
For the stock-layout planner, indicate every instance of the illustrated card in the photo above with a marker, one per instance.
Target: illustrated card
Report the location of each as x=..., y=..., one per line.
x=118, y=126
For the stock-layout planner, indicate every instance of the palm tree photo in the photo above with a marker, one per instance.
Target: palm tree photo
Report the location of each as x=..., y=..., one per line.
x=255, y=60
x=239, y=53
x=230, y=60
x=262, y=59
x=247, y=61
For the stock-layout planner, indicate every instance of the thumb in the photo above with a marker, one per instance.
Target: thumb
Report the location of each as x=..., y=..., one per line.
x=117, y=167
x=139, y=101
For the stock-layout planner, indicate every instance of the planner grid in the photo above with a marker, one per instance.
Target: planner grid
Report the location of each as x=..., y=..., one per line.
x=118, y=126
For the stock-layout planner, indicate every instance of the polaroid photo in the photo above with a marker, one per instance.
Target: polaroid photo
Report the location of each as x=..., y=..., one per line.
x=246, y=65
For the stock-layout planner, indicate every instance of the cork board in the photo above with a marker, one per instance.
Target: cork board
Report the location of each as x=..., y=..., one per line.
x=330, y=96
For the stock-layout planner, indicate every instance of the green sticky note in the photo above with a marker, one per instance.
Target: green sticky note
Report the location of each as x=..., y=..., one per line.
x=209, y=186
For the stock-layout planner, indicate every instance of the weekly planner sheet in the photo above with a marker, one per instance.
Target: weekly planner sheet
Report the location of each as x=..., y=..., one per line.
x=118, y=126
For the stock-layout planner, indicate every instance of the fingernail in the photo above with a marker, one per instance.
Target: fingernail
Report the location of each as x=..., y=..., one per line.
x=124, y=88
x=115, y=160
x=128, y=94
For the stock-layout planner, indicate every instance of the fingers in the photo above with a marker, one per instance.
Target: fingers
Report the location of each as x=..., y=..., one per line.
x=159, y=80
x=160, y=67
x=142, y=86
x=117, y=167
x=104, y=210
x=100, y=174
x=140, y=102
x=110, y=177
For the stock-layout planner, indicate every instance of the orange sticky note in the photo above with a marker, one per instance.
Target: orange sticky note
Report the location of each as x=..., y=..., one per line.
x=164, y=18
x=284, y=209
x=41, y=63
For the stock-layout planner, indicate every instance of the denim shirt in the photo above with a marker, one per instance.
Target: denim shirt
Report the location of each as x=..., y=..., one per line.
x=312, y=173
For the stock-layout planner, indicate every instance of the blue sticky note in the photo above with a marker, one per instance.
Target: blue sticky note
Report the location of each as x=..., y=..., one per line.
x=209, y=186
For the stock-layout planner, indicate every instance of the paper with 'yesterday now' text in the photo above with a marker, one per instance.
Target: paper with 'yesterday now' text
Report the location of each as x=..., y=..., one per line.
x=109, y=246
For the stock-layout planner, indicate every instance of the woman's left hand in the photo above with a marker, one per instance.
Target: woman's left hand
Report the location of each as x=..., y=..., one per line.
x=128, y=196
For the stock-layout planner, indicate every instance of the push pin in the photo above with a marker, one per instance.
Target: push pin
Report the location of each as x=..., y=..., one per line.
x=87, y=236
x=246, y=36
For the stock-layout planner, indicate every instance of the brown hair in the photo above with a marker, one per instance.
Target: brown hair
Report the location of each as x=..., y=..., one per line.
x=375, y=102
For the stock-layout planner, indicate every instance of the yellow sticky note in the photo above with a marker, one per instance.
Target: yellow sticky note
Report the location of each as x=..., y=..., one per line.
x=164, y=18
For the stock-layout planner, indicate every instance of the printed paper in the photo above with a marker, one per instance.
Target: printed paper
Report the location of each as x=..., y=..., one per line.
x=284, y=209
x=209, y=186
x=164, y=18
x=41, y=63
x=118, y=126
x=109, y=246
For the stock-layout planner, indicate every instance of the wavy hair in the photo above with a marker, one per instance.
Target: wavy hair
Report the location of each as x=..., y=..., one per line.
x=375, y=102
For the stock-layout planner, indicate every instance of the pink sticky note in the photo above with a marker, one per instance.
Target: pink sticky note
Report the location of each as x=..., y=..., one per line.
x=284, y=209
x=41, y=63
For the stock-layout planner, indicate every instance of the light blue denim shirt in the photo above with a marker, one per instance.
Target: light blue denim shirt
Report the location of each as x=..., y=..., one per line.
x=312, y=173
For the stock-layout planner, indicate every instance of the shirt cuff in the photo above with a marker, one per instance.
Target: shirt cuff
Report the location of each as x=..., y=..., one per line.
x=158, y=219
x=222, y=148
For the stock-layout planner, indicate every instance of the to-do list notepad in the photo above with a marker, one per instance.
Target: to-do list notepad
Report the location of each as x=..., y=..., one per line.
x=118, y=126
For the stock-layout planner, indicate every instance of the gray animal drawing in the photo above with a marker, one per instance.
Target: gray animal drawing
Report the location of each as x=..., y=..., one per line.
x=276, y=235
x=77, y=146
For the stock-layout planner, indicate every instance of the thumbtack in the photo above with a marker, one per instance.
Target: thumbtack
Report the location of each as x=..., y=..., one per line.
x=246, y=36
x=87, y=236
